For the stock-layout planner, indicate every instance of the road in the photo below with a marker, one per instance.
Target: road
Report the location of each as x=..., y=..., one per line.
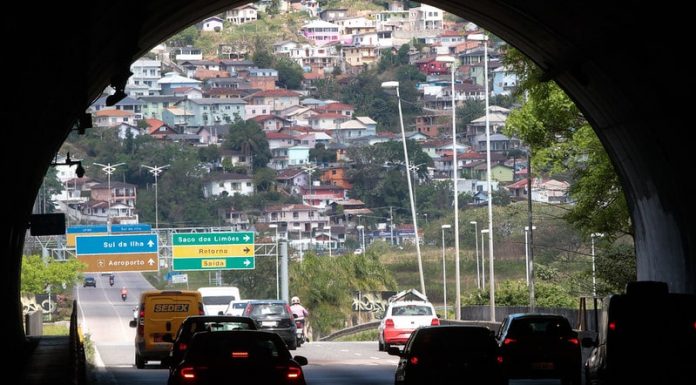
x=104, y=316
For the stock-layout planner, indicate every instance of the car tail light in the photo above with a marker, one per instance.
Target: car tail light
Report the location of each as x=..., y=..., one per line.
x=187, y=373
x=414, y=360
x=499, y=359
x=201, y=310
x=574, y=341
x=509, y=341
x=612, y=325
x=435, y=322
x=240, y=354
x=694, y=325
x=141, y=329
x=183, y=346
x=294, y=373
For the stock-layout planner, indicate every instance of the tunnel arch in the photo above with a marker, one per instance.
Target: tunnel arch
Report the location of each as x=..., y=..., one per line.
x=597, y=51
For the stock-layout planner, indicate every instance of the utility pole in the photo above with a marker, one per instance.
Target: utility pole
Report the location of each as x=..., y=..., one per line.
x=391, y=225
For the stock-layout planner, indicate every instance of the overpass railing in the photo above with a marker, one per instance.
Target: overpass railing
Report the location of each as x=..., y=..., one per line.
x=77, y=350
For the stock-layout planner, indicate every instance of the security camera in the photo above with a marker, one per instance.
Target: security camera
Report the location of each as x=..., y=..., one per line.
x=80, y=171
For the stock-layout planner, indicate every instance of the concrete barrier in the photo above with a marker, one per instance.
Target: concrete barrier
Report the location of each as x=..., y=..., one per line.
x=33, y=323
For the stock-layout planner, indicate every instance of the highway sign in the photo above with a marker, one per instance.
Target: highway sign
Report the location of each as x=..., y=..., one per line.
x=180, y=278
x=213, y=251
x=136, y=252
x=134, y=228
x=119, y=262
x=73, y=231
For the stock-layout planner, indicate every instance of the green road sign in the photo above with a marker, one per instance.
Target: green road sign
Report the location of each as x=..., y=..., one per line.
x=234, y=263
x=213, y=251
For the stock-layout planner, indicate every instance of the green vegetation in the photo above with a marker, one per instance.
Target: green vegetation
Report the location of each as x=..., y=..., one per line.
x=56, y=329
x=37, y=274
x=367, y=335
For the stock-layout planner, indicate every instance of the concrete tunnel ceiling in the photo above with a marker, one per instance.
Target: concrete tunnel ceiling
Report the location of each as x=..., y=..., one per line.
x=605, y=55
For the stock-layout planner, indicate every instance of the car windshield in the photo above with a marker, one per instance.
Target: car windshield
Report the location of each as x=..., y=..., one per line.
x=269, y=309
x=218, y=300
x=254, y=347
x=407, y=310
x=539, y=326
x=450, y=341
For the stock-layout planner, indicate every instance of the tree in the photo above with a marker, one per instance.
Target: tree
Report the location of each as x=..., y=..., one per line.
x=470, y=110
x=321, y=155
x=290, y=74
x=37, y=274
x=247, y=137
x=184, y=38
x=264, y=178
x=262, y=57
x=562, y=142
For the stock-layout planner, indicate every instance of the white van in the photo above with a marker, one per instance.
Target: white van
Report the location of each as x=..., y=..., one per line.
x=217, y=298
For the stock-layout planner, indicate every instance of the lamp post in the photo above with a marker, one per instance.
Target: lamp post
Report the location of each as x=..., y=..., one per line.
x=455, y=176
x=361, y=228
x=275, y=226
x=330, y=241
x=526, y=250
x=594, y=279
x=395, y=85
x=483, y=258
x=109, y=169
x=478, y=272
x=484, y=38
x=444, y=274
x=156, y=170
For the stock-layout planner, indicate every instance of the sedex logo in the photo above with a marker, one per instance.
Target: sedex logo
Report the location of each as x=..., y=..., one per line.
x=172, y=308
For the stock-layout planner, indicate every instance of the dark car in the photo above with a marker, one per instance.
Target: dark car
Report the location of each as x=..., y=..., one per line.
x=252, y=357
x=539, y=346
x=646, y=335
x=274, y=316
x=447, y=355
x=89, y=281
x=196, y=324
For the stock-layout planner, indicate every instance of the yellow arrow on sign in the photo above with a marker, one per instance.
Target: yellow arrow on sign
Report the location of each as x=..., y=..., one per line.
x=213, y=251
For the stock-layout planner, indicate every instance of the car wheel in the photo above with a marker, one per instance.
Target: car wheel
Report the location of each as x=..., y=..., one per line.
x=380, y=346
x=139, y=361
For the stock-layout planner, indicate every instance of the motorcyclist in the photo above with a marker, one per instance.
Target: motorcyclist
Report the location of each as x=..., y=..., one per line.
x=124, y=293
x=111, y=279
x=299, y=313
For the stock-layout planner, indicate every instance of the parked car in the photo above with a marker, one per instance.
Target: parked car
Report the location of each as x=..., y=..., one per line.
x=273, y=316
x=646, y=335
x=89, y=281
x=252, y=357
x=202, y=323
x=539, y=346
x=437, y=355
x=402, y=317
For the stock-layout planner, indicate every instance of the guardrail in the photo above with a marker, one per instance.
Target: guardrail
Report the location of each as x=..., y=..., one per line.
x=77, y=350
x=374, y=324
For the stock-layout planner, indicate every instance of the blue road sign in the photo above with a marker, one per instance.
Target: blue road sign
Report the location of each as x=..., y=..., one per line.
x=82, y=229
x=116, y=244
x=138, y=227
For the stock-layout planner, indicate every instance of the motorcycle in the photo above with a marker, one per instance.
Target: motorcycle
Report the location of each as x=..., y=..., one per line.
x=111, y=280
x=299, y=333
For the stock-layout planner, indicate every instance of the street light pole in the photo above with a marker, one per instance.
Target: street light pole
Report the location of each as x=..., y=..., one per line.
x=444, y=274
x=394, y=84
x=526, y=250
x=455, y=176
x=478, y=272
x=483, y=258
x=361, y=228
x=594, y=279
x=275, y=226
x=330, y=240
x=108, y=169
x=156, y=170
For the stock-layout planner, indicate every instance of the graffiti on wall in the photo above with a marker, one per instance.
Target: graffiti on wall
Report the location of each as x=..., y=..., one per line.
x=31, y=303
x=373, y=303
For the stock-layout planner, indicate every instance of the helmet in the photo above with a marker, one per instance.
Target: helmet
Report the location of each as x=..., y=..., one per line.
x=295, y=300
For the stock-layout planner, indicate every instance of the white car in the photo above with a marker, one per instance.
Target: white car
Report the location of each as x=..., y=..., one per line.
x=403, y=317
x=236, y=308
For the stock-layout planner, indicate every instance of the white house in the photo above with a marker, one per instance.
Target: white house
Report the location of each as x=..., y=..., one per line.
x=228, y=185
x=212, y=24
